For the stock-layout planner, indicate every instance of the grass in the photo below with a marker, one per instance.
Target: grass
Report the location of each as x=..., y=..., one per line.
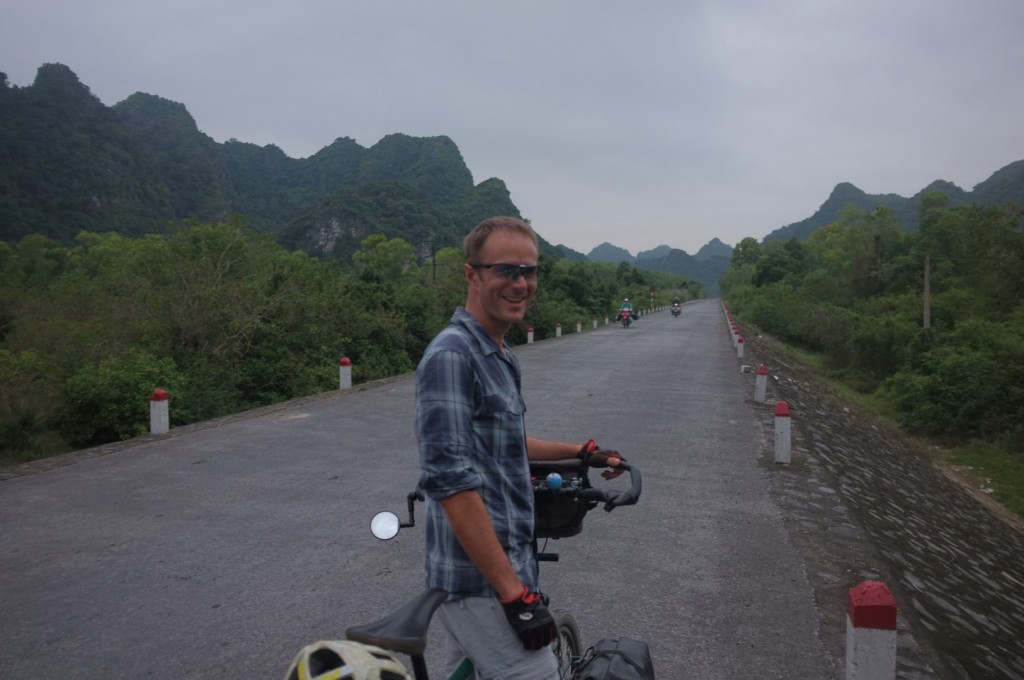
x=994, y=471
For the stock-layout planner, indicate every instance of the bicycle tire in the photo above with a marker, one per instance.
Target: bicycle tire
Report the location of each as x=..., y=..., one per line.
x=568, y=647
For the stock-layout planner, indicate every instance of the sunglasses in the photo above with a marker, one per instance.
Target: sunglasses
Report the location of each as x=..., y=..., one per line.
x=510, y=272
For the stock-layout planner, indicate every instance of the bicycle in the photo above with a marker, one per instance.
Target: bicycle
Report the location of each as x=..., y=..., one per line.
x=563, y=496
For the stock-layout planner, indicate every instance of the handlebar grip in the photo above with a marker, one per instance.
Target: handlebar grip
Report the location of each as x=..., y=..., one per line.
x=613, y=500
x=631, y=495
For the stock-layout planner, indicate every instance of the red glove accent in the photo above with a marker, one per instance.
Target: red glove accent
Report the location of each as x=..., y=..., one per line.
x=593, y=456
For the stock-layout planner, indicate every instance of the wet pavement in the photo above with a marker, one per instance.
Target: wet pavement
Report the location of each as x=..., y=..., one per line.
x=858, y=494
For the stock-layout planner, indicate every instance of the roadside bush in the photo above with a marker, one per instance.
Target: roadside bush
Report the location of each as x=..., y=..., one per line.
x=110, y=401
x=969, y=385
x=881, y=343
x=778, y=312
x=29, y=395
x=548, y=309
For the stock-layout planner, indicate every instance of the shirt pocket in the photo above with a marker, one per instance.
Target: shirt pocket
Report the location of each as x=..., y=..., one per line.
x=501, y=405
x=500, y=427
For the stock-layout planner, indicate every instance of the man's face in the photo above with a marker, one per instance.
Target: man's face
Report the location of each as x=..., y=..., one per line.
x=498, y=302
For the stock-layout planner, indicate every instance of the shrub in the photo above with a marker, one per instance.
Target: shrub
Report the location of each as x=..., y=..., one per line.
x=110, y=401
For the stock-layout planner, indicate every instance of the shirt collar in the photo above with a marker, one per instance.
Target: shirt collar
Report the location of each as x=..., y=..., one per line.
x=485, y=341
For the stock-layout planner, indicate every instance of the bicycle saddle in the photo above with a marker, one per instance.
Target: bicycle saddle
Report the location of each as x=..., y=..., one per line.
x=404, y=631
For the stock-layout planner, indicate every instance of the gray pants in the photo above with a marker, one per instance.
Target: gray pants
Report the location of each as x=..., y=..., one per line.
x=481, y=632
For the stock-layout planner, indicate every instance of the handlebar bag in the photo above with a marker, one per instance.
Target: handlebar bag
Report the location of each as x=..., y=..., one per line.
x=560, y=515
x=617, y=659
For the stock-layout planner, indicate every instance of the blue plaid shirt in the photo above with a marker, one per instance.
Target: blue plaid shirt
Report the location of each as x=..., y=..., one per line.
x=472, y=435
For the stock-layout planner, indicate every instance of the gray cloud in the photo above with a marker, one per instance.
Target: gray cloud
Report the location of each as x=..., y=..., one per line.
x=664, y=123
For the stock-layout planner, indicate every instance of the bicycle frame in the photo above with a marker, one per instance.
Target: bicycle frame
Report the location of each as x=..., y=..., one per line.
x=405, y=630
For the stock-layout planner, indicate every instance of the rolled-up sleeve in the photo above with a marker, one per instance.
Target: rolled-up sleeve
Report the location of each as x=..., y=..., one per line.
x=444, y=424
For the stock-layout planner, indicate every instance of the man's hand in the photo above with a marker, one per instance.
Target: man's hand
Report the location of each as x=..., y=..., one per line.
x=596, y=457
x=530, y=619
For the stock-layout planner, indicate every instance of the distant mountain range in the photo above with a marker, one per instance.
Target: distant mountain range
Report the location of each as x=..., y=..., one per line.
x=69, y=163
x=1006, y=185
x=606, y=252
x=707, y=266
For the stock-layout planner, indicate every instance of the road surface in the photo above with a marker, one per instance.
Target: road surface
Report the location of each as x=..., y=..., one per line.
x=218, y=550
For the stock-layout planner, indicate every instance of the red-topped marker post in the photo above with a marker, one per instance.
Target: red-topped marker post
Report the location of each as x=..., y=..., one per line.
x=783, y=434
x=871, y=632
x=761, y=384
x=345, y=374
x=159, y=412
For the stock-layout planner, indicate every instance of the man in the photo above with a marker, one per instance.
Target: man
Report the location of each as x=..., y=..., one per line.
x=626, y=311
x=475, y=455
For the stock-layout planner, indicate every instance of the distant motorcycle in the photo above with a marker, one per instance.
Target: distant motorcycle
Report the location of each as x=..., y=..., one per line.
x=626, y=318
x=676, y=310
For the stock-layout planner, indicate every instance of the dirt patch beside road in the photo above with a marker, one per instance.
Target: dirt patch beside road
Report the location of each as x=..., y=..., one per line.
x=862, y=503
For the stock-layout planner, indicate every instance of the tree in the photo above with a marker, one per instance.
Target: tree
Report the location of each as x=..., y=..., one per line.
x=779, y=261
x=382, y=260
x=747, y=251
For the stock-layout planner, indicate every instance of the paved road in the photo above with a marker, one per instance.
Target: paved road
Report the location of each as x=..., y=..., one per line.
x=217, y=551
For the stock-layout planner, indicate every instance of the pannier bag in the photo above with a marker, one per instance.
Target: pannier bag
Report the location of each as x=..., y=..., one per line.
x=617, y=659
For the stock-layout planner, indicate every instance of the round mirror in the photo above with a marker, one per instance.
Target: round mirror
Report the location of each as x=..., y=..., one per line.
x=384, y=525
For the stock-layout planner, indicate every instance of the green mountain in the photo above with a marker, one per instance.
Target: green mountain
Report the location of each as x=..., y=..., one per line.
x=606, y=252
x=707, y=266
x=570, y=254
x=707, y=269
x=1003, y=187
x=654, y=253
x=69, y=163
x=712, y=249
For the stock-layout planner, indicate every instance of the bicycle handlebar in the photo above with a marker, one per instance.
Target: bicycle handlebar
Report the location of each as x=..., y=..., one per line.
x=614, y=499
x=390, y=523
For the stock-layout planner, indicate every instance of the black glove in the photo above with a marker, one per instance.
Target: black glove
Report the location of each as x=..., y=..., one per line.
x=530, y=619
x=596, y=457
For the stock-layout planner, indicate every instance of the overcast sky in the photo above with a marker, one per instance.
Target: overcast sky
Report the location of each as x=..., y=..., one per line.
x=637, y=123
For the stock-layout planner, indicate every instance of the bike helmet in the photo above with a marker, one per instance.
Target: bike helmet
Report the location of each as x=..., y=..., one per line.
x=345, y=660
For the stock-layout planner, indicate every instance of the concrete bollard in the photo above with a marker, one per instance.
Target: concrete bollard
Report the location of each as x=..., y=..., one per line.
x=739, y=347
x=594, y=319
x=159, y=412
x=529, y=335
x=761, y=384
x=782, y=433
x=345, y=374
x=871, y=632
x=605, y=319
x=579, y=326
x=558, y=330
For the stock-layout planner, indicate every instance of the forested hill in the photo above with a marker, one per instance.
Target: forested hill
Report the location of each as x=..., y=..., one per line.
x=69, y=163
x=707, y=266
x=1004, y=186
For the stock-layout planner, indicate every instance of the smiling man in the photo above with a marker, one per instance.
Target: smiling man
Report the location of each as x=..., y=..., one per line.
x=475, y=456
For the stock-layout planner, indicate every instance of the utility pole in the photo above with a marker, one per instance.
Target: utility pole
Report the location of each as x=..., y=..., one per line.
x=927, y=322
